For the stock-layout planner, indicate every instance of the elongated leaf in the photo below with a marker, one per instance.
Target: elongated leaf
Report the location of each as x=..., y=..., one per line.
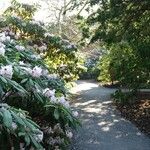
x=17, y=86
x=56, y=114
x=7, y=118
x=18, y=119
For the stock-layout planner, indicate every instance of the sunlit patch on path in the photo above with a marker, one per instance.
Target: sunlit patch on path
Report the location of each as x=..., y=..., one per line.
x=103, y=127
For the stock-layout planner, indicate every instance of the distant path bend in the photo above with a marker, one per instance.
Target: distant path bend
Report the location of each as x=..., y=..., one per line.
x=103, y=127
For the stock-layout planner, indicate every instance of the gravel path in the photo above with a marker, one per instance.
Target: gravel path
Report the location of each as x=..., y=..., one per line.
x=102, y=126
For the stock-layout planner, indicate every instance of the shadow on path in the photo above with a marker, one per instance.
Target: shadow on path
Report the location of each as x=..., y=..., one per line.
x=103, y=127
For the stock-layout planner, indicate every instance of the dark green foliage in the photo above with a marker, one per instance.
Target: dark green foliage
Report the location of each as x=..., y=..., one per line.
x=123, y=98
x=28, y=83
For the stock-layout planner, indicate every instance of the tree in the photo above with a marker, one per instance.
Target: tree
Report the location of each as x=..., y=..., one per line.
x=122, y=20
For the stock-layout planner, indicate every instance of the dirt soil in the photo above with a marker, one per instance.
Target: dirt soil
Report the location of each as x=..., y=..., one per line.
x=139, y=112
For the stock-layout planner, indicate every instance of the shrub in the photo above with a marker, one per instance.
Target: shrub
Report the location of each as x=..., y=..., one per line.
x=27, y=83
x=123, y=98
x=122, y=64
x=19, y=18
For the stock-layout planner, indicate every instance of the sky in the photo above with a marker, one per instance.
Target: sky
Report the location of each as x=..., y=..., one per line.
x=45, y=14
x=38, y=16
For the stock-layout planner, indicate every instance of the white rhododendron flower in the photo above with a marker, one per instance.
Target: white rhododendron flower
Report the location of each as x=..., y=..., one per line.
x=39, y=136
x=66, y=104
x=69, y=46
x=35, y=46
x=52, y=76
x=20, y=48
x=22, y=146
x=36, y=57
x=36, y=71
x=16, y=37
x=2, y=45
x=3, y=37
x=2, y=51
x=14, y=126
x=6, y=71
x=53, y=99
x=45, y=72
x=7, y=38
x=11, y=33
x=75, y=113
x=63, y=101
x=48, y=34
x=49, y=93
x=69, y=134
x=21, y=63
x=43, y=48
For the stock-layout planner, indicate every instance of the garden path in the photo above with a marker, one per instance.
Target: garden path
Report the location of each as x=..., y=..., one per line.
x=102, y=126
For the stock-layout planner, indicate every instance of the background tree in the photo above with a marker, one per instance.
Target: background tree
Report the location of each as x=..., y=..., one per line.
x=123, y=20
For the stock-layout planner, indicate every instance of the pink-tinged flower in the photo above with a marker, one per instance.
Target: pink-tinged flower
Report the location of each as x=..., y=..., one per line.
x=36, y=57
x=75, y=113
x=22, y=146
x=36, y=71
x=53, y=99
x=17, y=37
x=67, y=105
x=2, y=51
x=4, y=38
x=2, y=45
x=45, y=72
x=48, y=34
x=14, y=126
x=20, y=48
x=49, y=93
x=11, y=33
x=38, y=136
x=52, y=76
x=69, y=134
x=63, y=102
x=21, y=63
x=35, y=46
x=43, y=48
x=6, y=71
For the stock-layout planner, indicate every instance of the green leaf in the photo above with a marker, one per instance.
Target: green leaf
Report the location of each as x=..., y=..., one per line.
x=24, y=80
x=17, y=86
x=36, y=144
x=18, y=119
x=27, y=139
x=3, y=79
x=56, y=113
x=7, y=118
x=21, y=134
x=33, y=123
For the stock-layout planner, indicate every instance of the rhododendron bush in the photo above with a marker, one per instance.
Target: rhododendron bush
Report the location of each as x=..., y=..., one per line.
x=34, y=110
x=19, y=18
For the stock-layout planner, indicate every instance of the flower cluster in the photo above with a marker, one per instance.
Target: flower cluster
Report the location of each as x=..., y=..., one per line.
x=38, y=136
x=20, y=48
x=35, y=72
x=53, y=99
x=2, y=49
x=54, y=135
x=4, y=37
x=25, y=72
x=6, y=71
